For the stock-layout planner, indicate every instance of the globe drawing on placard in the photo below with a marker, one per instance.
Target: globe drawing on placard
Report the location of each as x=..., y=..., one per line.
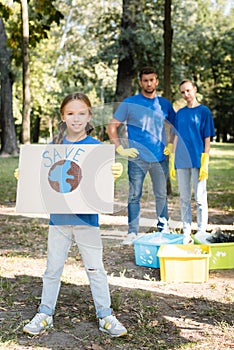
x=64, y=176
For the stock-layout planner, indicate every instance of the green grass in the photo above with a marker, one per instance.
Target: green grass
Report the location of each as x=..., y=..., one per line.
x=8, y=183
x=220, y=183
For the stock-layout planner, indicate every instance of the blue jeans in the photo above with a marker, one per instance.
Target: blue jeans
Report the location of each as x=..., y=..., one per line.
x=88, y=239
x=137, y=170
x=186, y=179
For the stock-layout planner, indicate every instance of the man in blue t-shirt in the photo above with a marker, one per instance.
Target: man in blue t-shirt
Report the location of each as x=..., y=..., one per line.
x=194, y=128
x=145, y=115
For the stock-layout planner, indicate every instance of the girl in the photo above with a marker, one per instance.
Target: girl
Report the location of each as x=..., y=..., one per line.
x=76, y=115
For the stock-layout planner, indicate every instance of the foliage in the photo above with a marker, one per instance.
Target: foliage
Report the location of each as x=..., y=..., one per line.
x=75, y=46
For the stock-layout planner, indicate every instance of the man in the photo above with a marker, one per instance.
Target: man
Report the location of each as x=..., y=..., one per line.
x=194, y=126
x=145, y=115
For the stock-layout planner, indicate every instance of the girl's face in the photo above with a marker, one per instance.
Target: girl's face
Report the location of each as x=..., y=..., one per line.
x=76, y=114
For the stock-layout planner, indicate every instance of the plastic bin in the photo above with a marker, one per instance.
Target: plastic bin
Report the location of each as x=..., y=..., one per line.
x=184, y=263
x=222, y=255
x=146, y=247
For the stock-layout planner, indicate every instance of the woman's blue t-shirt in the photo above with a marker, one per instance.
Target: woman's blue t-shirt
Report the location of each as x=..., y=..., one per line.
x=192, y=125
x=76, y=219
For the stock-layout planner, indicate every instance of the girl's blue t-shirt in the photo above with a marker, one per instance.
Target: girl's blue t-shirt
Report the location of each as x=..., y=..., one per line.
x=146, y=119
x=192, y=126
x=76, y=219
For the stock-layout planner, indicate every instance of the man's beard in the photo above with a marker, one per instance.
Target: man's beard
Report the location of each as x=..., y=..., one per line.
x=149, y=92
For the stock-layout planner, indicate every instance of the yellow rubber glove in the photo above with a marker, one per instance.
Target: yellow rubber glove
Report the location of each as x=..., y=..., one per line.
x=117, y=170
x=168, y=149
x=127, y=152
x=204, y=166
x=172, y=171
x=16, y=173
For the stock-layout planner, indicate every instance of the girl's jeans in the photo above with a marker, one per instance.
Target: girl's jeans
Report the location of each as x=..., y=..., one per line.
x=185, y=178
x=137, y=170
x=88, y=240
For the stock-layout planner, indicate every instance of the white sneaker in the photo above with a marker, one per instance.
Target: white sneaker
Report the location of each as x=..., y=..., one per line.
x=112, y=326
x=39, y=323
x=201, y=237
x=188, y=240
x=129, y=239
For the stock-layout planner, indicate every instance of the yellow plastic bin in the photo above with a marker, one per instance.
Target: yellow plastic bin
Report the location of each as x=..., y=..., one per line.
x=184, y=263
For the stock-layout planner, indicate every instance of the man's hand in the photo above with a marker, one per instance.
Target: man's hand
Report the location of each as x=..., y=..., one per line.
x=127, y=152
x=168, y=149
x=117, y=170
x=203, y=174
x=172, y=171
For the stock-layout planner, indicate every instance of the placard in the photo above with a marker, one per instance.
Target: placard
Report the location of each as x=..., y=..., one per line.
x=65, y=178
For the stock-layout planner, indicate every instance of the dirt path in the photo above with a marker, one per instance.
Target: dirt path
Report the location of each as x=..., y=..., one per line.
x=158, y=315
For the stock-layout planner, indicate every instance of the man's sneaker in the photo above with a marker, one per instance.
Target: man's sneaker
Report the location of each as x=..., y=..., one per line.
x=188, y=239
x=112, y=326
x=201, y=237
x=162, y=225
x=39, y=323
x=129, y=239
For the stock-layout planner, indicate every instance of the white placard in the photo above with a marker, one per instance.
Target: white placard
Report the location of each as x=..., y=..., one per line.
x=65, y=179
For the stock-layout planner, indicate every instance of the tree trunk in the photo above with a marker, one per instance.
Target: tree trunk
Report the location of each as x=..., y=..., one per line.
x=8, y=134
x=125, y=73
x=167, y=36
x=36, y=130
x=126, y=61
x=26, y=74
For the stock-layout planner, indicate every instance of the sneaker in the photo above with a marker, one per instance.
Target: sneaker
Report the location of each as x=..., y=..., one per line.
x=188, y=239
x=129, y=239
x=201, y=237
x=162, y=225
x=112, y=326
x=39, y=323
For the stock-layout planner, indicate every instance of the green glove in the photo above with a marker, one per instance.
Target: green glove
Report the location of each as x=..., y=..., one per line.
x=203, y=174
x=117, y=170
x=168, y=149
x=172, y=171
x=127, y=152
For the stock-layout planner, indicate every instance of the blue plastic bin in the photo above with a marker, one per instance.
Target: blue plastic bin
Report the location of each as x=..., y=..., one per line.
x=146, y=247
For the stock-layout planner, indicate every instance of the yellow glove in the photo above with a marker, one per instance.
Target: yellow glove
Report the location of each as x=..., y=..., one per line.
x=127, y=152
x=117, y=170
x=16, y=173
x=204, y=166
x=168, y=149
x=172, y=171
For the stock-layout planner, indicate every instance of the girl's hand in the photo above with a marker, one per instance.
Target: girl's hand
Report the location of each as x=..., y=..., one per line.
x=16, y=173
x=117, y=170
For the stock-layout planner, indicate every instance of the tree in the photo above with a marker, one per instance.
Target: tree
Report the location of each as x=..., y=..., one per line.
x=167, y=38
x=8, y=135
x=26, y=73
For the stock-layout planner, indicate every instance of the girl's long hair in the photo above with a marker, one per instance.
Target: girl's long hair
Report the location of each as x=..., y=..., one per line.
x=62, y=127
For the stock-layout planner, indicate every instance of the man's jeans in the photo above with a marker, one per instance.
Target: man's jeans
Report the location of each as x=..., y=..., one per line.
x=186, y=179
x=137, y=170
x=88, y=240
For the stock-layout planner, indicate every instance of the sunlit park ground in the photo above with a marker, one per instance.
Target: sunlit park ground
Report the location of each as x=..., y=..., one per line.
x=158, y=315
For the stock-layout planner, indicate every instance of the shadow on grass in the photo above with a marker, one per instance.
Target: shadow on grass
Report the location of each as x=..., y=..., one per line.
x=154, y=320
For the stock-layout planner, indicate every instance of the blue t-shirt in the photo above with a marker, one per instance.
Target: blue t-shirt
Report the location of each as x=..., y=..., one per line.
x=76, y=219
x=192, y=125
x=145, y=119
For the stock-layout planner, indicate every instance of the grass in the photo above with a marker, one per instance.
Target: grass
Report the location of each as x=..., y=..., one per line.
x=220, y=183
